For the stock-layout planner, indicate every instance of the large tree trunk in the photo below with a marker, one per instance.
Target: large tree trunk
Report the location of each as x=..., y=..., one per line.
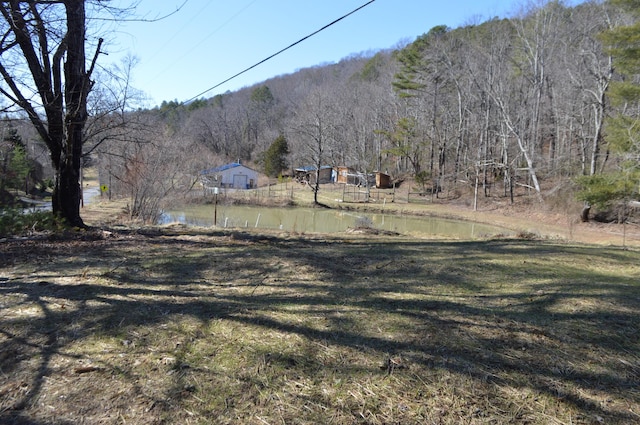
x=67, y=194
x=45, y=45
x=66, y=201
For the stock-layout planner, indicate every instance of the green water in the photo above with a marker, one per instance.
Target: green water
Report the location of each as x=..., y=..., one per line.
x=307, y=220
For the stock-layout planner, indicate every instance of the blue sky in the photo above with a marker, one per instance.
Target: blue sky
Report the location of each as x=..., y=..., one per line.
x=208, y=41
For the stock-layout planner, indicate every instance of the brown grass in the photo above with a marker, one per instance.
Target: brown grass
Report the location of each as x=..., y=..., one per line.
x=176, y=325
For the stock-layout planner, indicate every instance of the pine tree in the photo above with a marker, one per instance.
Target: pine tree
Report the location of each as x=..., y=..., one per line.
x=620, y=184
x=275, y=159
x=623, y=127
x=21, y=168
x=15, y=165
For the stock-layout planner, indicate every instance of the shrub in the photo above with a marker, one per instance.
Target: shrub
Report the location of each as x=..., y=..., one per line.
x=15, y=222
x=363, y=223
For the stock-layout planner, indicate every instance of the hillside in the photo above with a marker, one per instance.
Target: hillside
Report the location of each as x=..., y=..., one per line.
x=515, y=104
x=518, y=110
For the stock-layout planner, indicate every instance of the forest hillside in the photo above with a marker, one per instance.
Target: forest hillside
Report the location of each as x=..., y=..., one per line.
x=506, y=109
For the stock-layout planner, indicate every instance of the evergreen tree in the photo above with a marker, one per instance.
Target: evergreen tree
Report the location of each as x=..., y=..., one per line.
x=20, y=168
x=417, y=68
x=275, y=158
x=15, y=165
x=623, y=125
x=262, y=95
x=13, y=137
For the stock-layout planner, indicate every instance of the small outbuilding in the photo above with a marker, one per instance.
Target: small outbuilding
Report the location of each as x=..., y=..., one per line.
x=350, y=176
x=230, y=176
x=346, y=175
x=308, y=174
x=383, y=181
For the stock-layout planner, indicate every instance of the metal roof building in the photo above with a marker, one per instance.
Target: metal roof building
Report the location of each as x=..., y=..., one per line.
x=230, y=176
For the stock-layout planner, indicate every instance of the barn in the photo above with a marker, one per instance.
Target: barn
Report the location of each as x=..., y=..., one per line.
x=230, y=176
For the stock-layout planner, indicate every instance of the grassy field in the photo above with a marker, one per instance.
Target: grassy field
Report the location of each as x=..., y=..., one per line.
x=198, y=326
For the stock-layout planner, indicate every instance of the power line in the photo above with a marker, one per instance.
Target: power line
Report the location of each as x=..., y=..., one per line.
x=195, y=46
x=277, y=53
x=175, y=34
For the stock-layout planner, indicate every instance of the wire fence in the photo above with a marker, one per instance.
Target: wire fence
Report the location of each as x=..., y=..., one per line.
x=420, y=197
x=290, y=190
x=357, y=194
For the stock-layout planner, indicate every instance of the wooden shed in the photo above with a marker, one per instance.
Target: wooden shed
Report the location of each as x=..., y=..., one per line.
x=383, y=181
x=308, y=174
x=346, y=175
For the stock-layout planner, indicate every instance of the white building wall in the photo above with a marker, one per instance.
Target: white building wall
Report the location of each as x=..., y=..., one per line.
x=239, y=178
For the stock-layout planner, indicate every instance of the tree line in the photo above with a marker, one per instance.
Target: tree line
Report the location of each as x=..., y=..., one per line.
x=541, y=102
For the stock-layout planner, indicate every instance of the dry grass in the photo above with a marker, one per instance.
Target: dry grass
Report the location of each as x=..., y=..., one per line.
x=197, y=326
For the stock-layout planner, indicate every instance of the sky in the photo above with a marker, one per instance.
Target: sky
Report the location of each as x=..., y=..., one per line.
x=205, y=42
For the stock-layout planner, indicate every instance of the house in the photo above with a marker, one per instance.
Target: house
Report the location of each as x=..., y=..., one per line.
x=230, y=176
x=308, y=174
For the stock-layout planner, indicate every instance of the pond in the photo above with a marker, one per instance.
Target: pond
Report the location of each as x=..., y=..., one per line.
x=311, y=220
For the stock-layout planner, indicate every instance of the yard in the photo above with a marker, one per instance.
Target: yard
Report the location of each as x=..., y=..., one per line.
x=175, y=325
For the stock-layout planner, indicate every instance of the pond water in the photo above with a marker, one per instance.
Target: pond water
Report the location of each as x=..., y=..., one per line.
x=310, y=220
x=88, y=194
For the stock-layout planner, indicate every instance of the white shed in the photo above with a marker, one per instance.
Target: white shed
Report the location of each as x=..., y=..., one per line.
x=230, y=176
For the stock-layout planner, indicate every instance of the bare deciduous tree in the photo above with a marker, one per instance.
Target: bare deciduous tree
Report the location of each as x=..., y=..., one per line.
x=44, y=68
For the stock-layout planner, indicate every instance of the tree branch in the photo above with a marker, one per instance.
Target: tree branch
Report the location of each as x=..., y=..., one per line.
x=151, y=20
x=95, y=58
x=19, y=99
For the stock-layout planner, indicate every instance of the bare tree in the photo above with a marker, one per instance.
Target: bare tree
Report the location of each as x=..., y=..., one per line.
x=149, y=165
x=44, y=68
x=591, y=75
x=315, y=123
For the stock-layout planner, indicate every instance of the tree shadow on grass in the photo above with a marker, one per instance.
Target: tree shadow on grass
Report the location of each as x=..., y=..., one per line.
x=523, y=314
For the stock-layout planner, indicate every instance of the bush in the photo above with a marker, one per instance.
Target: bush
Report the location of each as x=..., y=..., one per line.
x=15, y=222
x=363, y=223
x=46, y=184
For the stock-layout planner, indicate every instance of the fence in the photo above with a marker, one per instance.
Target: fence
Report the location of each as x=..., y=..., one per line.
x=359, y=194
x=420, y=197
x=281, y=191
x=284, y=190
